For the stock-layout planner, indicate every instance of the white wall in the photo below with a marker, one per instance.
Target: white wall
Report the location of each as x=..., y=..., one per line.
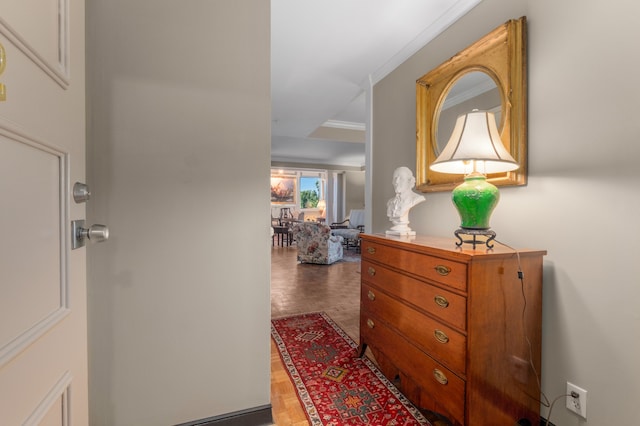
x=179, y=153
x=354, y=190
x=581, y=203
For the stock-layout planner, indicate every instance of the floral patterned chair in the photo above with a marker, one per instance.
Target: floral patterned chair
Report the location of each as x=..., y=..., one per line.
x=316, y=244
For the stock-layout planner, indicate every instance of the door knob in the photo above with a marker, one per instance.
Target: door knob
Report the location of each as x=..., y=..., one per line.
x=79, y=234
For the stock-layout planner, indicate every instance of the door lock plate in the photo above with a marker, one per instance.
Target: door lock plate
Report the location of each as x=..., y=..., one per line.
x=79, y=234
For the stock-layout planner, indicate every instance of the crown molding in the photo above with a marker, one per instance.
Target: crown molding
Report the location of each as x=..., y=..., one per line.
x=459, y=9
x=346, y=125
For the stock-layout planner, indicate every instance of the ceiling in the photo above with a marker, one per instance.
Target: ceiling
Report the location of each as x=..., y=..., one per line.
x=323, y=55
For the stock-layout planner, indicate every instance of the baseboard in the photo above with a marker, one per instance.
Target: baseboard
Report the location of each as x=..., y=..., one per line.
x=543, y=422
x=257, y=416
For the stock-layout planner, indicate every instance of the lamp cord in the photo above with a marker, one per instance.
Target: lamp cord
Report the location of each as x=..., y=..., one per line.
x=544, y=400
x=547, y=423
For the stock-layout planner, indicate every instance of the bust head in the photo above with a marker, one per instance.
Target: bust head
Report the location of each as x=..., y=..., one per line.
x=403, y=180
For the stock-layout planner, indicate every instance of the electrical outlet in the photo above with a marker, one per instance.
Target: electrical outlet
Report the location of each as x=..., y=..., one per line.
x=577, y=400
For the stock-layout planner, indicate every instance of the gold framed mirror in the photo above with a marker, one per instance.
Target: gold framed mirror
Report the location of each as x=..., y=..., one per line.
x=488, y=75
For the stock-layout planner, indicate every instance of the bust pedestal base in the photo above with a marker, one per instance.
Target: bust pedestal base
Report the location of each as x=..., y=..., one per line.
x=408, y=233
x=400, y=226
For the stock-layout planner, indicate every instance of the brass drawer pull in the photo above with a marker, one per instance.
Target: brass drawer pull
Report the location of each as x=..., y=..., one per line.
x=371, y=295
x=440, y=377
x=371, y=271
x=370, y=323
x=441, y=336
x=441, y=301
x=442, y=270
x=371, y=250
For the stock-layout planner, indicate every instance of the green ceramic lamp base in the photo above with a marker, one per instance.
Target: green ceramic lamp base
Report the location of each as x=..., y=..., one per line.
x=475, y=200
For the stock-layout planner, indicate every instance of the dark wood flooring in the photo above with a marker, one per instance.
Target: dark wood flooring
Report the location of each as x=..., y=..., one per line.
x=300, y=288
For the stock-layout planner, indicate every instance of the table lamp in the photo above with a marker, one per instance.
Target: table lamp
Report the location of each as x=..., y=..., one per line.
x=322, y=205
x=475, y=149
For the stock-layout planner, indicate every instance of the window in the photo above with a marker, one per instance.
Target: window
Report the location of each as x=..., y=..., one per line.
x=298, y=189
x=311, y=190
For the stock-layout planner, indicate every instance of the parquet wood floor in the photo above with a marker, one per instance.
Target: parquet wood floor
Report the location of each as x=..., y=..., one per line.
x=299, y=288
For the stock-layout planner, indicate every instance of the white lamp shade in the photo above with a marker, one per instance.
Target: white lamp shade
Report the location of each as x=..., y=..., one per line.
x=322, y=205
x=475, y=142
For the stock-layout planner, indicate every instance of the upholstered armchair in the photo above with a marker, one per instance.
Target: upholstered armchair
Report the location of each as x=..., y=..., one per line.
x=350, y=228
x=316, y=244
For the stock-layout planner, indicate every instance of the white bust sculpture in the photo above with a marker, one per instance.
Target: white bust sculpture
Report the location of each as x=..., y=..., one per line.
x=398, y=207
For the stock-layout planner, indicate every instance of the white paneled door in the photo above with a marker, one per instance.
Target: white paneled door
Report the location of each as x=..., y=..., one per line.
x=43, y=354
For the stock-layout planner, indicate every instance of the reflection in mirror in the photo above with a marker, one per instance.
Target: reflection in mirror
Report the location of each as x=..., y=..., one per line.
x=474, y=90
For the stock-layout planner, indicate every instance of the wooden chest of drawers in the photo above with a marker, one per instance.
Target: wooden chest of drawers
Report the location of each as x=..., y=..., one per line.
x=454, y=328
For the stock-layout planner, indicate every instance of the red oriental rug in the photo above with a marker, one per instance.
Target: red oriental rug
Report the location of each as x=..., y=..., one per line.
x=335, y=386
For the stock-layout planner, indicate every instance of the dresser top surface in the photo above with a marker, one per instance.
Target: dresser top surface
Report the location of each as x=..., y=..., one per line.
x=447, y=246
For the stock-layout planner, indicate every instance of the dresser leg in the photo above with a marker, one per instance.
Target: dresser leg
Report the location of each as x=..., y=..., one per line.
x=435, y=419
x=362, y=349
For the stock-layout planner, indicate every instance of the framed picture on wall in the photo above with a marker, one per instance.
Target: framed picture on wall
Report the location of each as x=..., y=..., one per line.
x=283, y=189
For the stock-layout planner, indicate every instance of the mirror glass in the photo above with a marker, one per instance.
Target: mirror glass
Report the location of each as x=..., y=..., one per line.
x=474, y=90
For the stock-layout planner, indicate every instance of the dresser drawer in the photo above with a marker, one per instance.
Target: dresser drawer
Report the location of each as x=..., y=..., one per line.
x=430, y=375
x=440, y=341
x=445, y=271
x=450, y=307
